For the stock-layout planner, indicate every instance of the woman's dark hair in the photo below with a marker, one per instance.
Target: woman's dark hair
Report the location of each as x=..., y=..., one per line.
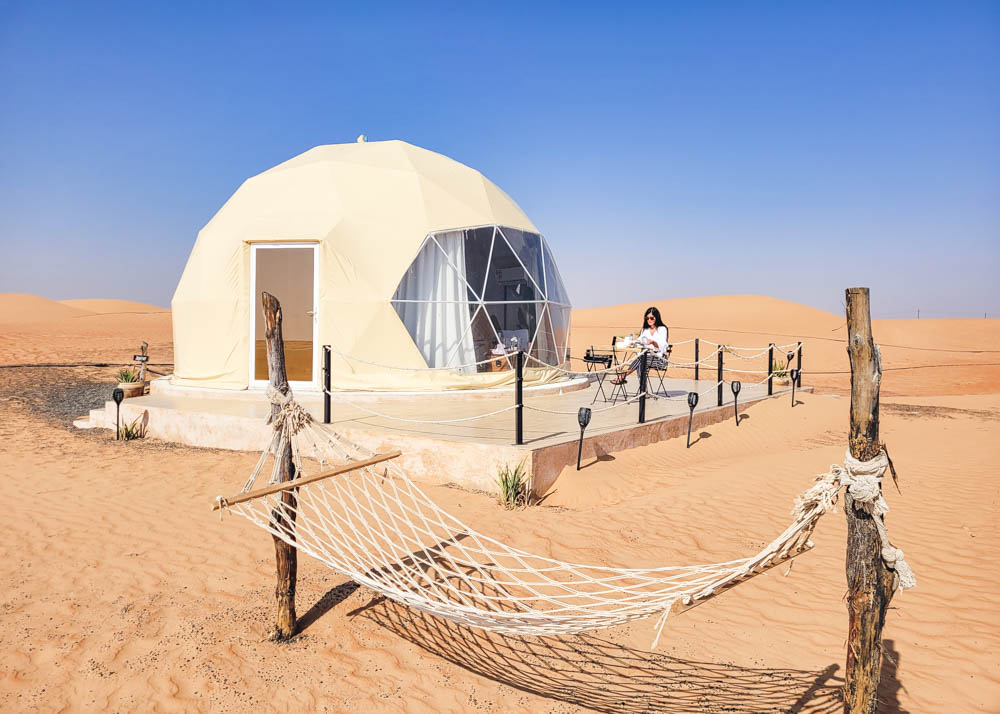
x=655, y=313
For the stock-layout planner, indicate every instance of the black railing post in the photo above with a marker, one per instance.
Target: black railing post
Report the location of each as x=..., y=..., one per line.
x=696, y=359
x=519, y=399
x=642, y=387
x=770, y=369
x=326, y=384
x=719, y=378
x=798, y=366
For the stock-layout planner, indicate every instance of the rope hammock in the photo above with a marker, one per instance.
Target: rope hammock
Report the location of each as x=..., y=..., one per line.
x=366, y=519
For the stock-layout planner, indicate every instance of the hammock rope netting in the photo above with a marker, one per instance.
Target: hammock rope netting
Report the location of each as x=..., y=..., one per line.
x=375, y=526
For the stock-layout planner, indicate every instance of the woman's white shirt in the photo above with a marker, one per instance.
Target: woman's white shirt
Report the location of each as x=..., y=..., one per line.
x=659, y=335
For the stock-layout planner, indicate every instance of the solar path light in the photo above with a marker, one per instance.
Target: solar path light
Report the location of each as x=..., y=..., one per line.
x=692, y=403
x=582, y=416
x=794, y=375
x=118, y=395
x=736, y=387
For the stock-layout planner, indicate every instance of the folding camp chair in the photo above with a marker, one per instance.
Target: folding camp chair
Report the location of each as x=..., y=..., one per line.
x=658, y=370
x=620, y=389
x=600, y=363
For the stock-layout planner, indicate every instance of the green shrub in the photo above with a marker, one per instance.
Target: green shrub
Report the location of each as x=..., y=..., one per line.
x=127, y=375
x=134, y=430
x=779, y=369
x=515, y=487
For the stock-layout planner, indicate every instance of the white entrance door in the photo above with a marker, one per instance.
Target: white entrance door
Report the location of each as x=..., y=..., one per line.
x=287, y=271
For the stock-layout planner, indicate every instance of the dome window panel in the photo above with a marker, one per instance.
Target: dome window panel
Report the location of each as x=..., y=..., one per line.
x=507, y=280
x=440, y=331
x=452, y=246
x=478, y=245
x=431, y=276
x=515, y=323
x=486, y=343
x=475, y=344
x=555, y=291
x=528, y=248
x=543, y=347
x=560, y=318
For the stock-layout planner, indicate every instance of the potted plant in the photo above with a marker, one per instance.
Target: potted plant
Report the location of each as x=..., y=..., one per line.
x=779, y=373
x=128, y=382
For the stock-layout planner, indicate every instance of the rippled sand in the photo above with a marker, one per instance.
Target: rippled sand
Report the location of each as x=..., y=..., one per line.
x=120, y=589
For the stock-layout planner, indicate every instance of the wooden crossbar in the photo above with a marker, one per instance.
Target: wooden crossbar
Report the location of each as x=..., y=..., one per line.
x=277, y=487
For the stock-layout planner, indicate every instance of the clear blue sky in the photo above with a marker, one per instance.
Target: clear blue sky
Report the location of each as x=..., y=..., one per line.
x=787, y=149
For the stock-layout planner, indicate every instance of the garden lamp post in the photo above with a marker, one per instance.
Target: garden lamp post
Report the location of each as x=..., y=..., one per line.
x=692, y=403
x=118, y=395
x=736, y=387
x=582, y=416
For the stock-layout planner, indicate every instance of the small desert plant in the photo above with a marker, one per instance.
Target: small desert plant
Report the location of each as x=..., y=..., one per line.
x=127, y=375
x=779, y=369
x=515, y=487
x=133, y=430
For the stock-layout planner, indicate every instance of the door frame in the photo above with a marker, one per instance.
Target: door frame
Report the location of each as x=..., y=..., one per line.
x=261, y=384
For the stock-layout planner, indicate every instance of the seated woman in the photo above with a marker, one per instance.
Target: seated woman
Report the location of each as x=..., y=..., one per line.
x=654, y=337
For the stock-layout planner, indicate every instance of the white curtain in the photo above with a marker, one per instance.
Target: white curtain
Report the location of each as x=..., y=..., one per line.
x=440, y=322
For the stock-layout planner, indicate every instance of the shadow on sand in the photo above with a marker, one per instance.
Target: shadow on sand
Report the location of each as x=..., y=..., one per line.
x=599, y=456
x=596, y=674
x=889, y=685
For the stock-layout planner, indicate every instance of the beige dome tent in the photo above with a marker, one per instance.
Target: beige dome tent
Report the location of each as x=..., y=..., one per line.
x=418, y=271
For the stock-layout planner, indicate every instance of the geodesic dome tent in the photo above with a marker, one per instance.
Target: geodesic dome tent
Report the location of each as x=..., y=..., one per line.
x=418, y=271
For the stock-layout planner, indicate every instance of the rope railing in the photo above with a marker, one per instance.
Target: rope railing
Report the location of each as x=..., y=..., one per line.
x=450, y=368
x=630, y=400
x=666, y=397
x=744, y=349
x=546, y=365
x=712, y=360
x=520, y=360
x=355, y=405
x=737, y=355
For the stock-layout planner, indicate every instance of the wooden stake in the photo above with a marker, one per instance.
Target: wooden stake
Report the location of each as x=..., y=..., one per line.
x=285, y=555
x=869, y=581
x=142, y=365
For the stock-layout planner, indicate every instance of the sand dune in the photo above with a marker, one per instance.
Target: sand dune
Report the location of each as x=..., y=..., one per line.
x=41, y=331
x=103, y=306
x=120, y=590
x=920, y=356
x=28, y=309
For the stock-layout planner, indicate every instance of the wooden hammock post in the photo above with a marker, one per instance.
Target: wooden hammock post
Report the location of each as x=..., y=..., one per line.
x=869, y=581
x=285, y=556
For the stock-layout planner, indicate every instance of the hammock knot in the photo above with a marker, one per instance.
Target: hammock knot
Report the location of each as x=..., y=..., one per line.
x=904, y=572
x=822, y=497
x=291, y=416
x=864, y=482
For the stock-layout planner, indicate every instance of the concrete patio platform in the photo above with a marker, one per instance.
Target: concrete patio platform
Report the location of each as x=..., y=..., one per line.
x=467, y=453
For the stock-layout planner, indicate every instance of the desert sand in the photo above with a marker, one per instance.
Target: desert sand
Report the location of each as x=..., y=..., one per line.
x=120, y=590
x=35, y=330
